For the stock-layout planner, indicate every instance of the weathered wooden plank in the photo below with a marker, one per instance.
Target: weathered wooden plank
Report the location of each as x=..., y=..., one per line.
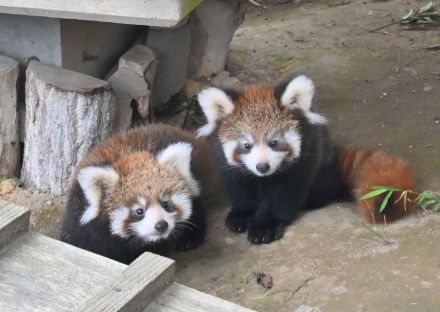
x=179, y=298
x=38, y=273
x=13, y=220
x=135, y=287
x=161, y=13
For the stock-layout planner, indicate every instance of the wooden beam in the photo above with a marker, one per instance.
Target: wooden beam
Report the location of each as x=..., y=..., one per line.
x=142, y=281
x=13, y=221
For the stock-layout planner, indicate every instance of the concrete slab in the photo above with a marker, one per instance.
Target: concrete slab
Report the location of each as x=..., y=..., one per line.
x=88, y=47
x=160, y=13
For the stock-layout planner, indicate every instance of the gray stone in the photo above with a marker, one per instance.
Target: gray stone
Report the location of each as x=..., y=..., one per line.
x=9, y=138
x=66, y=114
x=132, y=81
x=172, y=48
x=213, y=24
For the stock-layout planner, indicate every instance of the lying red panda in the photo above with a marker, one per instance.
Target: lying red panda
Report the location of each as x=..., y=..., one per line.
x=275, y=157
x=138, y=191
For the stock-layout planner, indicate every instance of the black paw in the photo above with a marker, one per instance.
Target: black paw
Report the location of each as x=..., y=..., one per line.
x=190, y=240
x=237, y=224
x=265, y=234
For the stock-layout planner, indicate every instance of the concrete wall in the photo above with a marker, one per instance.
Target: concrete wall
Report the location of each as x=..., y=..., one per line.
x=22, y=37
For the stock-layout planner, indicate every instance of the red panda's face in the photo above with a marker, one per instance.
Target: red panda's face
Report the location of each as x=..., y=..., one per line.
x=142, y=195
x=259, y=135
x=257, y=130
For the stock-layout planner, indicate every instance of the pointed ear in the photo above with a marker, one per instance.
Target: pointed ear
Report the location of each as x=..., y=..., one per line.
x=94, y=181
x=215, y=104
x=298, y=94
x=178, y=156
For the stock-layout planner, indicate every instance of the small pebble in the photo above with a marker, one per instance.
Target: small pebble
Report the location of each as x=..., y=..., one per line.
x=427, y=88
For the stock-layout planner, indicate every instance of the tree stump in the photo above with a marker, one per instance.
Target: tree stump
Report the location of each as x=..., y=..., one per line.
x=67, y=113
x=9, y=139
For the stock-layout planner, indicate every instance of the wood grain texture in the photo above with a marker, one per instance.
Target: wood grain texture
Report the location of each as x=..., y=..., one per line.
x=9, y=139
x=147, y=276
x=38, y=273
x=179, y=298
x=13, y=221
x=67, y=113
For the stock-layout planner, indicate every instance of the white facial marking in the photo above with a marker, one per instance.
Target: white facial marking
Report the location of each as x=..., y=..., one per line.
x=117, y=219
x=294, y=140
x=299, y=94
x=263, y=154
x=184, y=202
x=142, y=201
x=90, y=180
x=215, y=104
x=228, y=149
x=178, y=156
x=145, y=227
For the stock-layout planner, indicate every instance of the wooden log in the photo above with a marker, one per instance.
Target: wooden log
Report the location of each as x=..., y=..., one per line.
x=9, y=139
x=66, y=114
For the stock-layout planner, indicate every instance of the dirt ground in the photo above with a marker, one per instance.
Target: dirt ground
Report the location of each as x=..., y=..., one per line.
x=379, y=90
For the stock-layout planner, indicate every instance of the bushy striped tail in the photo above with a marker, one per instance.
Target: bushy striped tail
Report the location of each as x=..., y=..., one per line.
x=362, y=169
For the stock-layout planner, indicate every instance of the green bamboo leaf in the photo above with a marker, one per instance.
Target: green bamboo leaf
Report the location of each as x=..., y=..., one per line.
x=385, y=201
x=408, y=15
x=427, y=8
x=385, y=187
x=436, y=207
x=373, y=194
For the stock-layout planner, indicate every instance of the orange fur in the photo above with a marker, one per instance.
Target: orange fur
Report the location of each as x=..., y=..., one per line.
x=362, y=169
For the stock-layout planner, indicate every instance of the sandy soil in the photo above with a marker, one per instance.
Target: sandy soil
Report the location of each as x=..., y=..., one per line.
x=379, y=90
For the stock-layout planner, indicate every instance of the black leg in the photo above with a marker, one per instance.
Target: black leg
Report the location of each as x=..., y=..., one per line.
x=242, y=197
x=279, y=205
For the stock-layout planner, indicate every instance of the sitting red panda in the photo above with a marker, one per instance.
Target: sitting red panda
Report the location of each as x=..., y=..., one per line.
x=138, y=191
x=275, y=157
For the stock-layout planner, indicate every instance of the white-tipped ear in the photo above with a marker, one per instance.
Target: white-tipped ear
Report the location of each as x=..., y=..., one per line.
x=93, y=182
x=215, y=104
x=178, y=156
x=299, y=95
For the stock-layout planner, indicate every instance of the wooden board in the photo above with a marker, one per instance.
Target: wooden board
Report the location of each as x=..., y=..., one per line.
x=160, y=13
x=41, y=274
x=146, y=277
x=179, y=298
x=13, y=221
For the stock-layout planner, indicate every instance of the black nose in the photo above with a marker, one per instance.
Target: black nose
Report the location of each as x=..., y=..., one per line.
x=161, y=226
x=263, y=167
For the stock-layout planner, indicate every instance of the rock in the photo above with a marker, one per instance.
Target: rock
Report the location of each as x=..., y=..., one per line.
x=66, y=114
x=132, y=81
x=172, y=48
x=9, y=137
x=212, y=26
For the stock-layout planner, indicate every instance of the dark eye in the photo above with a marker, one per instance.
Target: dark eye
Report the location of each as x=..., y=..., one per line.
x=167, y=206
x=140, y=211
x=247, y=146
x=273, y=143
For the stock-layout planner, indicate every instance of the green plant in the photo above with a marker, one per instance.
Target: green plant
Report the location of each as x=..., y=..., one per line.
x=426, y=14
x=426, y=199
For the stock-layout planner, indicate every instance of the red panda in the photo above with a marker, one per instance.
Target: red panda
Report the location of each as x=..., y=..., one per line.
x=275, y=157
x=138, y=191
